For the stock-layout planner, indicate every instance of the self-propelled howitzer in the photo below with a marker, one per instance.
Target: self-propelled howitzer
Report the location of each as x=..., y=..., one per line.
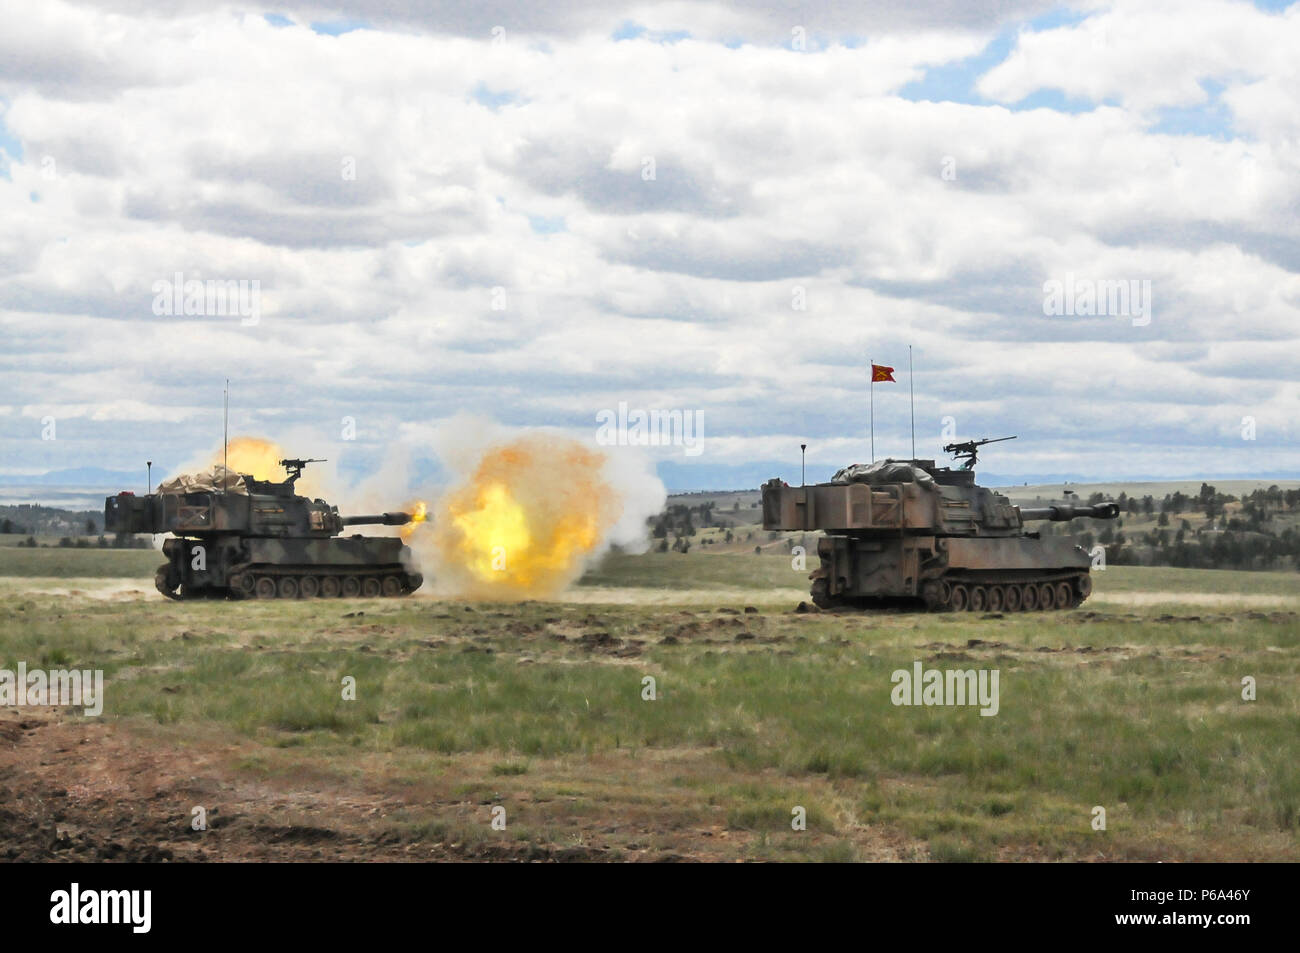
x=239, y=537
x=909, y=530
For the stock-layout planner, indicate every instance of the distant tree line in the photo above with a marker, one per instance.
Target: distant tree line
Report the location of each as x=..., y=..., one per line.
x=1261, y=532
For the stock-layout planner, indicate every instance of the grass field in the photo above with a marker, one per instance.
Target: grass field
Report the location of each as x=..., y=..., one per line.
x=69, y=562
x=1132, y=703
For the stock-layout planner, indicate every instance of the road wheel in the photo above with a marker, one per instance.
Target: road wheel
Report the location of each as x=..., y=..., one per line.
x=309, y=587
x=370, y=587
x=1029, y=597
x=932, y=596
x=265, y=588
x=288, y=587
x=351, y=587
x=1064, y=595
x=329, y=587
x=165, y=581
x=821, y=594
x=1084, y=587
x=960, y=598
x=979, y=599
x=392, y=586
x=1014, y=597
x=1046, y=596
x=245, y=584
x=997, y=598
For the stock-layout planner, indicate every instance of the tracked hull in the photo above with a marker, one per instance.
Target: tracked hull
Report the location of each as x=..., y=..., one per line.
x=263, y=568
x=973, y=592
x=1007, y=574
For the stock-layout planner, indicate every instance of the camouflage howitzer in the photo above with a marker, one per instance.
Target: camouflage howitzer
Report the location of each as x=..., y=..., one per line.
x=238, y=537
x=909, y=530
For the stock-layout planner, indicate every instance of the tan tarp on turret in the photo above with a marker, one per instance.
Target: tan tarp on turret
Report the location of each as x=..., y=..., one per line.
x=213, y=481
x=882, y=472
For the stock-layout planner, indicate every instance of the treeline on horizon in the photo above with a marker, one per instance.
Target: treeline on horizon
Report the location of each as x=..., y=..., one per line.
x=1211, y=530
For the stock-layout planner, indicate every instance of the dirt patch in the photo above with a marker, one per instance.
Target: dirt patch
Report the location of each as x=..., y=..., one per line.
x=81, y=791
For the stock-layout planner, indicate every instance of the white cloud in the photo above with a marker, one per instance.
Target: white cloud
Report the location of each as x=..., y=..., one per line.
x=220, y=147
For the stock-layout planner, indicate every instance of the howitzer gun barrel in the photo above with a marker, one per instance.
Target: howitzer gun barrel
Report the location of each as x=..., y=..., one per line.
x=1063, y=512
x=386, y=519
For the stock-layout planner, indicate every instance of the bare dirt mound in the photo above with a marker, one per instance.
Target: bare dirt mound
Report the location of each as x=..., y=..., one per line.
x=85, y=791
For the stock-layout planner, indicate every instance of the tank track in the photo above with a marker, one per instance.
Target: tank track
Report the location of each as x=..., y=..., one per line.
x=299, y=582
x=322, y=582
x=1006, y=592
x=983, y=592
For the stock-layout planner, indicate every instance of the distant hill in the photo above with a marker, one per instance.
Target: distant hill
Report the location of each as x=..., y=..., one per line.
x=28, y=519
x=78, y=476
x=1157, y=488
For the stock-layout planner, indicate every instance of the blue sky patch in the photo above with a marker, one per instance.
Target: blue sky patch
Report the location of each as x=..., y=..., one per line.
x=10, y=148
x=1055, y=99
x=955, y=82
x=635, y=31
x=338, y=27
x=277, y=20
x=494, y=99
x=546, y=226
x=1211, y=118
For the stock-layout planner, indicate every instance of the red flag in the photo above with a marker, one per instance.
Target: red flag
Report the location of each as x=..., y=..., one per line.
x=881, y=373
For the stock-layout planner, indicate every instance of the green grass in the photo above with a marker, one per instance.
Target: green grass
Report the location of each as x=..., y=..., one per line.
x=1122, y=710
x=700, y=570
x=70, y=562
x=1213, y=582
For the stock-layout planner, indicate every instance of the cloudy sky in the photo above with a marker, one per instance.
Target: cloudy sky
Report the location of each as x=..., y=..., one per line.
x=533, y=212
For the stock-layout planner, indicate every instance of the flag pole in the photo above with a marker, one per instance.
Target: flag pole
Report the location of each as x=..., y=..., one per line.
x=912, y=397
x=871, y=391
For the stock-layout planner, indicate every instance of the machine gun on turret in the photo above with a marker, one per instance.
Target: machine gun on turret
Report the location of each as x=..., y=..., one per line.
x=294, y=467
x=969, y=449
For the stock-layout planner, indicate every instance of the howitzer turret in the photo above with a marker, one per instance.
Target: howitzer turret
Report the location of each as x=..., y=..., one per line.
x=236, y=536
x=911, y=530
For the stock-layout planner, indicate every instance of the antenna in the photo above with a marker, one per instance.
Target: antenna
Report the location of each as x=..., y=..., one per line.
x=911, y=389
x=225, y=436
